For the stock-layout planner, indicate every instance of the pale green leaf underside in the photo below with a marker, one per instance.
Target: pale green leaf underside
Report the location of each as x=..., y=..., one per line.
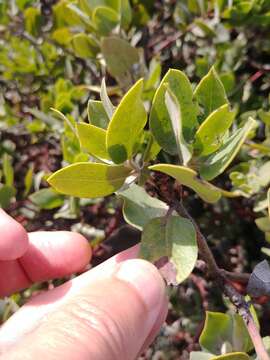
x=210, y=92
x=189, y=178
x=139, y=207
x=216, y=163
x=106, y=102
x=89, y=180
x=160, y=123
x=175, y=114
x=126, y=125
x=93, y=140
x=173, y=237
x=209, y=136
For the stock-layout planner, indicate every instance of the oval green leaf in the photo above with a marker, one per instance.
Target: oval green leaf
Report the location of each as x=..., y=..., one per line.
x=216, y=163
x=84, y=46
x=93, y=140
x=189, y=178
x=210, y=92
x=120, y=57
x=160, y=123
x=126, y=125
x=105, y=19
x=89, y=180
x=209, y=136
x=173, y=237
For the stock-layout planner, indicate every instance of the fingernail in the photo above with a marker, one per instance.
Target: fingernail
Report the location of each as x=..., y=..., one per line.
x=148, y=283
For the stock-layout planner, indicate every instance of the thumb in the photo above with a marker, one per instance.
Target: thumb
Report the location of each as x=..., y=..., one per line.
x=104, y=318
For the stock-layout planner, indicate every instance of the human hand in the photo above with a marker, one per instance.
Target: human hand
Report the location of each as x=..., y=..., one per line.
x=110, y=312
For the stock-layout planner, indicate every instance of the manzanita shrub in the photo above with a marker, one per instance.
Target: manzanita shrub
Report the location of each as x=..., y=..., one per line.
x=198, y=133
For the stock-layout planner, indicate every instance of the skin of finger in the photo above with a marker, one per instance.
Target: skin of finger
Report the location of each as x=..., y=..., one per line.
x=55, y=254
x=38, y=307
x=156, y=328
x=13, y=238
x=12, y=277
x=49, y=255
x=111, y=312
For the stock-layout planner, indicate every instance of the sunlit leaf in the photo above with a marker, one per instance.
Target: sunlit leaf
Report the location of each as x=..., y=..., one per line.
x=93, y=139
x=189, y=177
x=209, y=136
x=216, y=163
x=126, y=125
x=89, y=180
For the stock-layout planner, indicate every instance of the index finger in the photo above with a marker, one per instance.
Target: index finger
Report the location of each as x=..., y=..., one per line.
x=13, y=238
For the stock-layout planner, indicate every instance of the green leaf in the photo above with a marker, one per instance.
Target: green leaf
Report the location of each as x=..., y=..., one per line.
x=93, y=140
x=209, y=136
x=126, y=13
x=105, y=20
x=84, y=46
x=97, y=115
x=47, y=199
x=89, y=180
x=126, y=125
x=8, y=170
x=264, y=174
x=216, y=163
x=6, y=194
x=120, y=58
x=160, y=123
x=189, y=178
x=173, y=237
x=212, y=340
x=139, y=207
x=264, y=116
x=232, y=333
x=173, y=107
x=106, y=102
x=32, y=20
x=28, y=180
x=210, y=92
x=263, y=223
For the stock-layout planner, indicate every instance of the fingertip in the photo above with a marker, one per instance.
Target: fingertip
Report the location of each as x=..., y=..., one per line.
x=146, y=279
x=83, y=250
x=55, y=254
x=13, y=240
